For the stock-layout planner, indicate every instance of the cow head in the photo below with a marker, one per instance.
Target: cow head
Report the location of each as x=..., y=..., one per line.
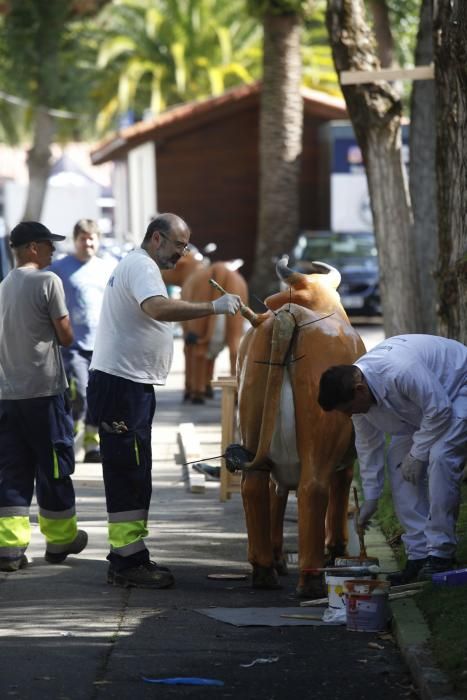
x=316, y=290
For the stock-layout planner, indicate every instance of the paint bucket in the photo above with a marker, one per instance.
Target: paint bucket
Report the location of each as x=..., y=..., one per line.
x=335, y=586
x=356, y=561
x=366, y=604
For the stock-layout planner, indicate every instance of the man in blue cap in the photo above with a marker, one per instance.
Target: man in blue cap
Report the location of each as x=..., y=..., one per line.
x=36, y=428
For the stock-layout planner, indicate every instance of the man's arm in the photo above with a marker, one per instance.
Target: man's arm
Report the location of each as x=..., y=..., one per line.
x=161, y=309
x=63, y=330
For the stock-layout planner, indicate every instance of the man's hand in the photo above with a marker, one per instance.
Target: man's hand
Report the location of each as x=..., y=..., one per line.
x=367, y=510
x=227, y=304
x=412, y=469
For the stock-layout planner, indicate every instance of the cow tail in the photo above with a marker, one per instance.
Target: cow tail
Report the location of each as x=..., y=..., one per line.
x=282, y=338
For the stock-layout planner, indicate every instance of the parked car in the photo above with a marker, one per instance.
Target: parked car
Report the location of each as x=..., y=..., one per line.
x=356, y=258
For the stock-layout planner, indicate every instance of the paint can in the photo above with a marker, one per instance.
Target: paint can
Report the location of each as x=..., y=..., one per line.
x=366, y=604
x=335, y=586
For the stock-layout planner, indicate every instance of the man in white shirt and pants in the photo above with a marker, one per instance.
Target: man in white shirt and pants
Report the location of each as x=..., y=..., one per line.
x=414, y=388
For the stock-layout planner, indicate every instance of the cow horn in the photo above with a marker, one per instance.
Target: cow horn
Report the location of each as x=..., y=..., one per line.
x=283, y=271
x=333, y=277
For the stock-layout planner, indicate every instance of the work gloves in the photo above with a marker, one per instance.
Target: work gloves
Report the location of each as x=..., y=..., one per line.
x=412, y=469
x=367, y=510
x=227, y=304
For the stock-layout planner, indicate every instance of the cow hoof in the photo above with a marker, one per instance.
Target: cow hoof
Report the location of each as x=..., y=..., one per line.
x=281, y=567
x=186, y=396
x=265, y=578
x=209, y=392
x=197, y=400
x=311, y=586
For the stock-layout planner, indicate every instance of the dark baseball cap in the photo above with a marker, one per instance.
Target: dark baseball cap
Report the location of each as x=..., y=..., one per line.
x=29, y=231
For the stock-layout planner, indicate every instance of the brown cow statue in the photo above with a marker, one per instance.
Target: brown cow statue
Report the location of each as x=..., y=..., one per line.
x=206, y=337
x=296, y=445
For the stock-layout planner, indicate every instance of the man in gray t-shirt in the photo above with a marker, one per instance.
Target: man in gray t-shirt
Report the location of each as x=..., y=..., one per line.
x=36, y=428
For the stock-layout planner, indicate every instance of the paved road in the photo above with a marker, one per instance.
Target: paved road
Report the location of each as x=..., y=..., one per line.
x=66, y=634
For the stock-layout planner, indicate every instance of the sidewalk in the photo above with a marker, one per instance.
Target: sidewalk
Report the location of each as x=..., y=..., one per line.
x=66, y=634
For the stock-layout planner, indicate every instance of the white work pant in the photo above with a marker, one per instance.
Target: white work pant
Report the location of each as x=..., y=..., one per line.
x=428, y=510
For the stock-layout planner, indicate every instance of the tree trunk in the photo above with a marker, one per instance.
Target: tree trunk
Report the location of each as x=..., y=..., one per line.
x=39, y=165
x=423, y=175
x=375, y=111
x=281, y=124
x=383, y=34
x=450, y=46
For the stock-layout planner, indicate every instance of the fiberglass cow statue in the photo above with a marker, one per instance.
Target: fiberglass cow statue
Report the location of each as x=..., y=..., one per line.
x=296, y=445
x=206, y=337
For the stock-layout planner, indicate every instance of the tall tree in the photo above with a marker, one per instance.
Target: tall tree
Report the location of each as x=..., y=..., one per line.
x=450, y=46
x=157, y=54
x=422, y=178
x=375, y=110
x=281, y=124
x=39, y=62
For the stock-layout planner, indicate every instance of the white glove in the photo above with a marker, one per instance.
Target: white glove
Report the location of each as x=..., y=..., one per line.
x=367, y=510
x=412, y=469
x=227, y=304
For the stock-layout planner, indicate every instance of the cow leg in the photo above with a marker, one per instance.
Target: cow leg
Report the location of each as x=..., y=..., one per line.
x=278, y=504
x=256, y=504
x=208, y=391
x=188, y=371
x=312, y=505
x=336, y=516
x=199, y=374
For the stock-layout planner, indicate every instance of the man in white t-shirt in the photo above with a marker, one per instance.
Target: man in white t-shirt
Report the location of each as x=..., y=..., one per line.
x=133, y=351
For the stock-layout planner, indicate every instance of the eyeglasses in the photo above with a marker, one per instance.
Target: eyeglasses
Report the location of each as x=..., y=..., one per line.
x=179, y=245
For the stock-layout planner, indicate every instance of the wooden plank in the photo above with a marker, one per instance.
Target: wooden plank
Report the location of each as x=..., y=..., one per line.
x=355, y=77
x=191, y=451
x=230, y=483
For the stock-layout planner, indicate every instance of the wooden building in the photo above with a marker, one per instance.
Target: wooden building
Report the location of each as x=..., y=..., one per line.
x=200, y=160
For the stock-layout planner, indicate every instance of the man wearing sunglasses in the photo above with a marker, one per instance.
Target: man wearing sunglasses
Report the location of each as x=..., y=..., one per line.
x=133, y=352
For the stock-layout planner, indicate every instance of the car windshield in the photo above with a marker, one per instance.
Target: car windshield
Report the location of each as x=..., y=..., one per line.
x=340, y=248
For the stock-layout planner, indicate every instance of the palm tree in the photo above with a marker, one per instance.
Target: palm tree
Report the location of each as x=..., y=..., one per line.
x=160, y=54
x=281, y=123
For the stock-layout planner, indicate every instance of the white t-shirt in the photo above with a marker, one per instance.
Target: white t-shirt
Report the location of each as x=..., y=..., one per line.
x=129, y=343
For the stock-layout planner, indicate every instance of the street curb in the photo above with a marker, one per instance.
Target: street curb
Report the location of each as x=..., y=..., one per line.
x=411, y=632
x=412, y=636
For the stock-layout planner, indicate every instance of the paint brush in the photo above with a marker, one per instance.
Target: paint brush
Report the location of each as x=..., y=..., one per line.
x=245, y=310
x=371, y=569
x=360, y=530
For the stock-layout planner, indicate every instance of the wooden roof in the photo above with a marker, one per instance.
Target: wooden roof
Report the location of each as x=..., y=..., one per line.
x=194, y=114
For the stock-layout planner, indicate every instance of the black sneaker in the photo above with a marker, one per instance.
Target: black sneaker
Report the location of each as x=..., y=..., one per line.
x=436, y=565
x=13, y=564
x=408, y=574
x=75, y=547
x=92, y=456
x=149, y=575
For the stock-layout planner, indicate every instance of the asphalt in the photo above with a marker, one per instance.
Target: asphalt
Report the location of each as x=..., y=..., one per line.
x=66, y=634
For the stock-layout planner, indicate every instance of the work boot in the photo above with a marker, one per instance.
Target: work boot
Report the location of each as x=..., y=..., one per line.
x=75, y=547
x=408, y=574
x=435, y=565
x=149, y=575
x=13, y=563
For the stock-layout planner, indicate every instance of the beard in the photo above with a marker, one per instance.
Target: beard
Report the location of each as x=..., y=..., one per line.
x=167, y=263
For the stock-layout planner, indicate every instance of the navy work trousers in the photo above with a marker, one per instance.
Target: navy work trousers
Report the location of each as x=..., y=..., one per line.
x=36, y=444
x=126, y=459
